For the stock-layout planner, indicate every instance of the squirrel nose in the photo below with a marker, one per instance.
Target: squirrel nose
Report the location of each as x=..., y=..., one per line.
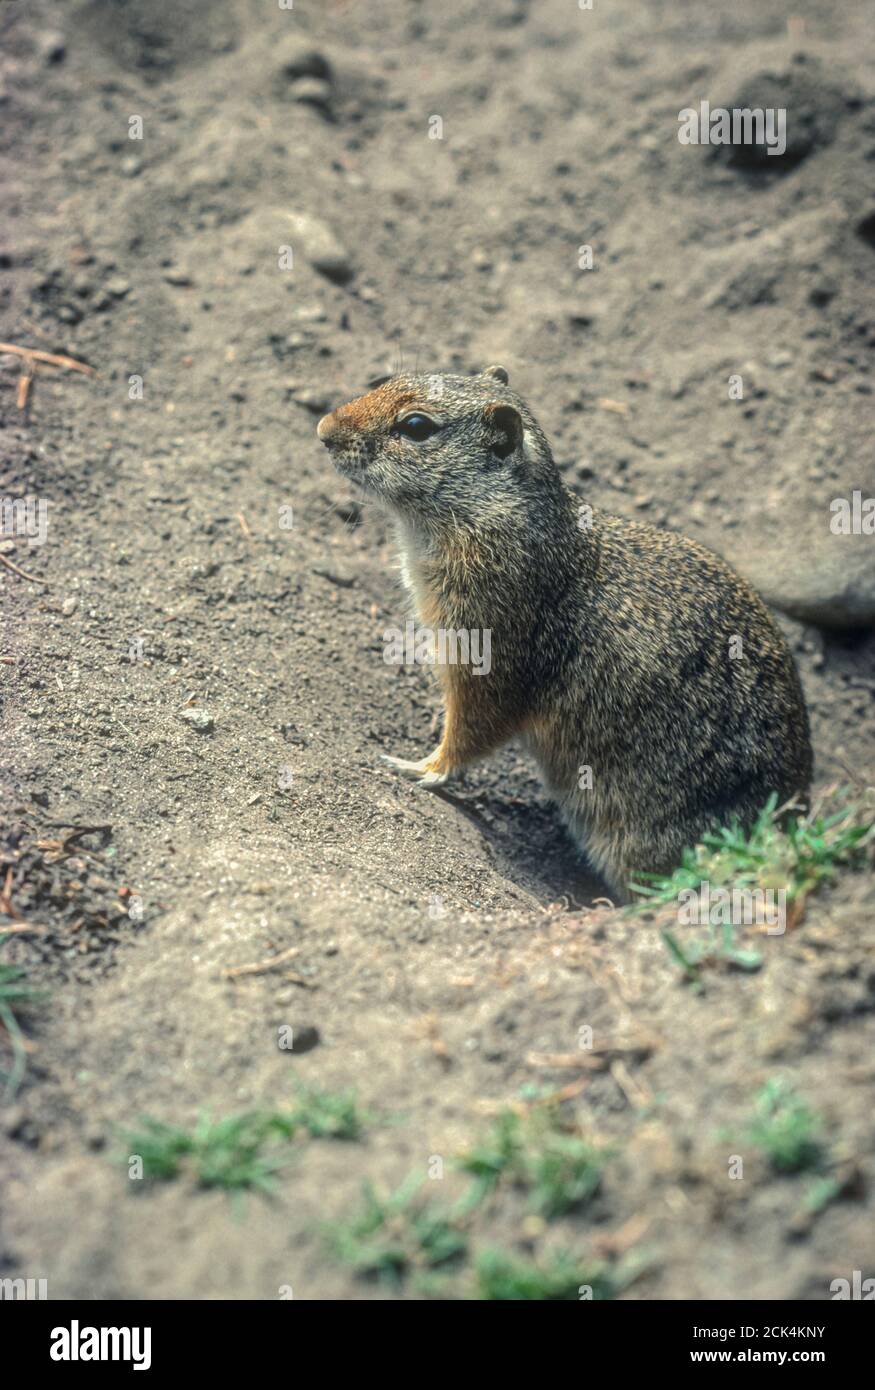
x=326, y=428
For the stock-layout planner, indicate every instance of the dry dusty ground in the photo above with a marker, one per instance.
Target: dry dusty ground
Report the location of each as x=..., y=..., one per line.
x=447, y=952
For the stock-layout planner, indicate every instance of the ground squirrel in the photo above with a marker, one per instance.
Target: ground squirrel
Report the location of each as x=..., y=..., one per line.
x=647, y=678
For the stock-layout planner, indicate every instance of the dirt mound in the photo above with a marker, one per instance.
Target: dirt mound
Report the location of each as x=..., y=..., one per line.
x=815, y=101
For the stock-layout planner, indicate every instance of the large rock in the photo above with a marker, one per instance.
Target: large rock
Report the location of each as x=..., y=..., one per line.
x=819, y=578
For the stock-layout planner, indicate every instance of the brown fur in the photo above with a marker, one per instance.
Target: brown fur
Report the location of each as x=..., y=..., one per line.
x=611, y=643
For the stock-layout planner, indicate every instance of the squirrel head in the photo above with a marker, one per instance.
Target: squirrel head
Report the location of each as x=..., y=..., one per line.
x=439, y=447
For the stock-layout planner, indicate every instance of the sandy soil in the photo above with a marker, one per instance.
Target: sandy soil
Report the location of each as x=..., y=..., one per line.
x=448, y=952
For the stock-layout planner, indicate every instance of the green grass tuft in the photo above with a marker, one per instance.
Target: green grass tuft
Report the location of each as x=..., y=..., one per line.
x=538, y=1152
x=797, y=857
x=236, y=1153
x=408, y=1235
x=719, y=947
x=399, y=1234
x=161, y=1147
x=502, y=1277
x=17, y=996
x=786, y=1130
x=242, y=1151
x=328, y=1114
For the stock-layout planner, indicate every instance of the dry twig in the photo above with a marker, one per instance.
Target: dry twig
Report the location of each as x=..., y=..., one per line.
x=30, y=357
x=261, y=967
x=34, y=578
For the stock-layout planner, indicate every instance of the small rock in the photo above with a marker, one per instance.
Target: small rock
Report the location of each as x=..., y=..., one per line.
x=319, y=244
x=17, y=1124
x=299, y=59
x=118, y=288
x=338, y=573
x=310, y=313
x=823, y=291
x=178, y=277
x=52, y=47
x=14, y=1119
x=203, y=571
x=865, y=228
x=313, y=91
x=312, y=398
x=69, y=605
x=199, y=720
x=305, y=1037
x=131, y=166
x=780, y=359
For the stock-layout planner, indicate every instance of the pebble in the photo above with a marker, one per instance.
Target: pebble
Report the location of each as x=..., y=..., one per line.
x=299, y=59
x=305, y=1037
x=199, y=720
x=310, y=313
x=780, y=359
x=313, y=91
x=312, y=398
x=52, y=47
x=339, y=574
x=322, y=248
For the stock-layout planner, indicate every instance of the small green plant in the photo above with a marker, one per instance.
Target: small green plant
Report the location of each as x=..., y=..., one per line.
x=500, y=1276
x=797, y=856
x=328, y=1114
x=235, y=1153
x=539, y=1152
x=16, y=997
x=488, y=1160
x=246, y=1150
x=161, y=1148
x=399, y=1234
x=720, y=947
x=536, y=1151
x=822, y=1192
x=786, y=1130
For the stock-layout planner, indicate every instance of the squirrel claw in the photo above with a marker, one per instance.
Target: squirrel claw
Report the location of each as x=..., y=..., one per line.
x=418, y=772
x=433, y=779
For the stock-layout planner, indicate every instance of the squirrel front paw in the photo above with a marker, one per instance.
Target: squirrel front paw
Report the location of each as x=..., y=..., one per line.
x=422, y=773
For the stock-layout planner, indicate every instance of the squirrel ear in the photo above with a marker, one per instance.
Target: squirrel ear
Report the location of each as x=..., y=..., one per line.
x=507, y=426
x=499, y=374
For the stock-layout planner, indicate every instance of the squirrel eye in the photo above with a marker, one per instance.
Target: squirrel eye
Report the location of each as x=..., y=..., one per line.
x=417, y=427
